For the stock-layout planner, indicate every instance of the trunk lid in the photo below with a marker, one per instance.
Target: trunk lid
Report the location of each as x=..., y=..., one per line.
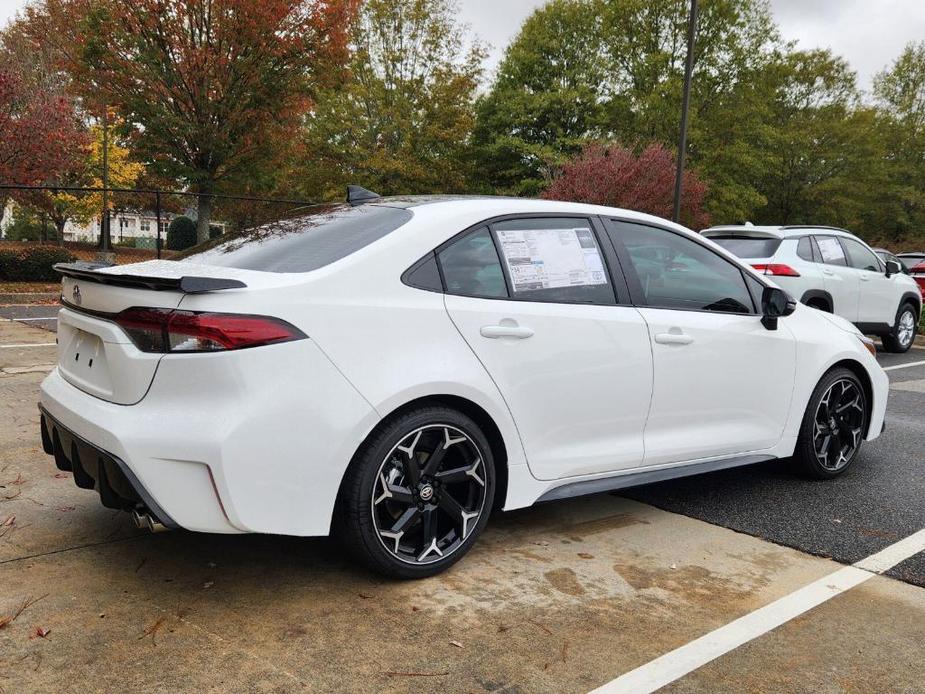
x=94, y=353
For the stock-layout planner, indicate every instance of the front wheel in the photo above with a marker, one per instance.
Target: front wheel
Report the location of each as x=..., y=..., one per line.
x=418, y=493
x=903, y=334
x=833, y=426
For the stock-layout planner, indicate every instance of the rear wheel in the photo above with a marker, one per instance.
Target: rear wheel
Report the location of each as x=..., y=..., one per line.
x=833, y=425
x=903, y=333
x=418, y=493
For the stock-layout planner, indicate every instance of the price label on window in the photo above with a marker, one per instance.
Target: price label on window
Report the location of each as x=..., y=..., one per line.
x=551, y=258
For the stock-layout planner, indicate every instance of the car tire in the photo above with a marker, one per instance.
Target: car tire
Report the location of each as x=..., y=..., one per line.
x=833, y=412
x=404, y=513
x=902, y=336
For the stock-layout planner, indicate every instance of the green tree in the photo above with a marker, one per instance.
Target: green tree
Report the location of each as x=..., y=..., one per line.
x=613, y=70
x=181, y=234
x=900, y=92
x=547, y=100
x=402, y=120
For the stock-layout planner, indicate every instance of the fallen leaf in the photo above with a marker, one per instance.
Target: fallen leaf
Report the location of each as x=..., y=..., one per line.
x=62, y=475
x=456, y=643
x=208, y=584
x=365, y=596
x=40, y=633
x=8, y=521
x=152, y=629
x=64, y=509
x=585, y=555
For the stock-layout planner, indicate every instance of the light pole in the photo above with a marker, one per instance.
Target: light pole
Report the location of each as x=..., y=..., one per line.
x=685, y=103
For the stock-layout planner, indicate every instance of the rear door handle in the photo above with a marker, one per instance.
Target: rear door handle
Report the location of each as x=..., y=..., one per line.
x=673, y=339
x=828, y=273
x=493, y=332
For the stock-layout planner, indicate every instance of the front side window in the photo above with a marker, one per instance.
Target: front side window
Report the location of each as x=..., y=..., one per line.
x=553, y=259
x=831, y=250
x=859, y=257
x=678, y=273
x=471, y=267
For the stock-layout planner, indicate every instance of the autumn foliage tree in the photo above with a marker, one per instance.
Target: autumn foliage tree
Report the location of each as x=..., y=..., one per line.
x=210, y=89
x=617, y=177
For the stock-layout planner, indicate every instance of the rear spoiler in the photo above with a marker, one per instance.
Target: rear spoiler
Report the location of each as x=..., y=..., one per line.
x=187, y=285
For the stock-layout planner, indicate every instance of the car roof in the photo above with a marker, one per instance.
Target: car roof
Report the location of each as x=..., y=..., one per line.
x=494, y=206
x=779, y=232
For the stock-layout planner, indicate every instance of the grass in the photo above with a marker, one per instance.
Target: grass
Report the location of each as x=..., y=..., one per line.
x=88, y=251
x=29, y=287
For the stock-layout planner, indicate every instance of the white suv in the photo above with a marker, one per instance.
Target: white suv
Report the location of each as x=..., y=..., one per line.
x=832, y=270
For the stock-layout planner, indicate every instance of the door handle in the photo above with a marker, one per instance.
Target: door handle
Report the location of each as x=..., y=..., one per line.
x=493, y=332
x=673, y=339
x=865, y=277
x=828, y=273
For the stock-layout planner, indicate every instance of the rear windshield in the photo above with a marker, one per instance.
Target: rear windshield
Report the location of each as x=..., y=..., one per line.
x=301, y=244
x=745, y=247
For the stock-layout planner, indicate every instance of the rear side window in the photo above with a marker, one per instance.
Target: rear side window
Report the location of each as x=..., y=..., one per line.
x=301, y=244
x=676, y=272
x=554, y=259
x=831, y=250
x=744, y=247
x=805, y=249
x=860, y=257
x=471, y=267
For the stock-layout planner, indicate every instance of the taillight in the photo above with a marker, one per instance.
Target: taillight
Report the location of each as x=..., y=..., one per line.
x=165, y=330
x=778, y=269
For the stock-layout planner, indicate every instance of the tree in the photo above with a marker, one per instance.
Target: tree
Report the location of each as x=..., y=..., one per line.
x=181, y=234
x=210, y=88
x=41, y=133
x=547, y=99
x=401, y=122
x=900, y=92
x=612, y=70
x=617, y=177
x=84, y=170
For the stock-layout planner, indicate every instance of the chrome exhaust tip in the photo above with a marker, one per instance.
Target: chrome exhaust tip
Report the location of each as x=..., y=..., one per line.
x=145, y=521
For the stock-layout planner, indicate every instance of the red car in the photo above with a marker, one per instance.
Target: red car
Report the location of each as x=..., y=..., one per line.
x=916, y=264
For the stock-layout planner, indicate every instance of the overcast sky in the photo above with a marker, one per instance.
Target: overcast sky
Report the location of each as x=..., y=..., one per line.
x=869, y=33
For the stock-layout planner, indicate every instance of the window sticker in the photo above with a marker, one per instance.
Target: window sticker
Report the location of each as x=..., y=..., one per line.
x=551, y=258
x=831, y=249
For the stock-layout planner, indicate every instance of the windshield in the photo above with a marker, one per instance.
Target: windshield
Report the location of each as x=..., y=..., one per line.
x=747, y=247
x=301, y=244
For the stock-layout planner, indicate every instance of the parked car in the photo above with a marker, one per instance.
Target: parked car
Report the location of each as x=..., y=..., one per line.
x=886, y=255
x=393, y=369
x=834, y=271
x=911, y=259
x=916, y=264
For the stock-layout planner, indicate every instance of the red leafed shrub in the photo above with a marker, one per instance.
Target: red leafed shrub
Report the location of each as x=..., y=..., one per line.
x=617, y=177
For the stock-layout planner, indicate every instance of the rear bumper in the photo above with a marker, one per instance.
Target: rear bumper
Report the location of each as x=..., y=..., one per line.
x=255, y=440
x=94, y=468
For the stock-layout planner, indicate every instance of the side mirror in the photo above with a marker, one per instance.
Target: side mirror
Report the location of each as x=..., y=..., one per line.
x=775, y=303
x=893, y=268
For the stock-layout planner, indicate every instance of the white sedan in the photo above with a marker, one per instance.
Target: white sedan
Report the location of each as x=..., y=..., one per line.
x=393, y=369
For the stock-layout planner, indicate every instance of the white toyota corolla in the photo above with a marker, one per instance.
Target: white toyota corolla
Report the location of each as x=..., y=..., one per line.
x=393, y=369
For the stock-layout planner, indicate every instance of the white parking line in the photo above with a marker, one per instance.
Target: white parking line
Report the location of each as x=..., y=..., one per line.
x=34, y=344
x=904, y=366
x=684, y=660
x=25, y=319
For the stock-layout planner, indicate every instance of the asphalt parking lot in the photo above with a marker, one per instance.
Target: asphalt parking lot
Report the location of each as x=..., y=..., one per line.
x=567, y=596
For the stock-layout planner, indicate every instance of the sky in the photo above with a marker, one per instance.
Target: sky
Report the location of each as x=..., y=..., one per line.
x=868, y=33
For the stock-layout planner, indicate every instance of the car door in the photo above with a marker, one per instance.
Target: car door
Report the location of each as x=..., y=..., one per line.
x=841, y=282
x=723, y=382
x=878, y=298
x=533, y=298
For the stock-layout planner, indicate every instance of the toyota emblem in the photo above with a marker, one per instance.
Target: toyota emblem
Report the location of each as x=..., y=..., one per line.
x=76, y=295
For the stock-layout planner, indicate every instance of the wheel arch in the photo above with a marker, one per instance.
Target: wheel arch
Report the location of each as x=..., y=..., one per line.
x=476, y=413
x=858, y=370
x=818, y=296
x=911, y=298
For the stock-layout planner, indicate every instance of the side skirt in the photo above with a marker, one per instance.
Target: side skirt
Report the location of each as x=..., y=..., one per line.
x=634, y=479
